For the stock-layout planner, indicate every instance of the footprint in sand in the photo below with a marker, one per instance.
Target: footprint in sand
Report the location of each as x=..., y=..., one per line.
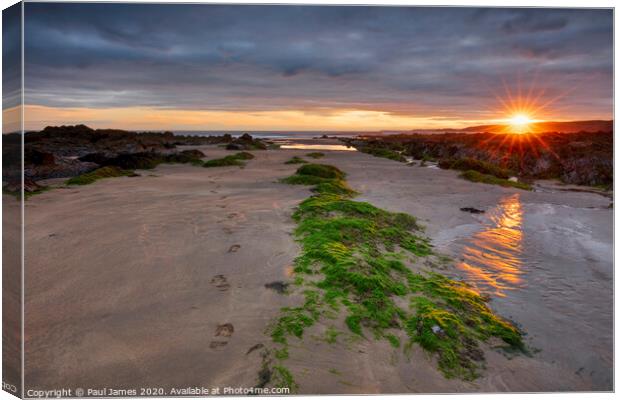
x=220, y=282
x=255, y=347
x=234, y=248
x=223, y=330
x=237, y=217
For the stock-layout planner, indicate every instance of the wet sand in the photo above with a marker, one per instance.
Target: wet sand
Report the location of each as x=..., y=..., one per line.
x=159, y=280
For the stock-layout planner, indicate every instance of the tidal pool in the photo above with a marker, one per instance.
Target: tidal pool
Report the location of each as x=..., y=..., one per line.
x=492, y=258
x=302, y=146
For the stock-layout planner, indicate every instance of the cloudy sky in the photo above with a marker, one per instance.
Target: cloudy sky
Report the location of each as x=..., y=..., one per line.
x=180, y=66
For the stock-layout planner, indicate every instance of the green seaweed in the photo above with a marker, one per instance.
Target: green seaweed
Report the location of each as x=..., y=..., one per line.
x=282, y=353
x=334, y=371
x=483, y=167
x=354, y=253
x=383, y=153
x=275, y=375
x=315, y=155
x=282, y=378
x=450, y=319
x=394, y=341
x=296, y=160
x=475, y=176
x=325, y=179
x=321, y=171
x=331, y=335
x=100, y=173
x=232, y=160
x=146, y=160
x=27, y=193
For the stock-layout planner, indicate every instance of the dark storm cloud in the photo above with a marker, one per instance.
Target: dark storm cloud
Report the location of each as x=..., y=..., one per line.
x=400, y=60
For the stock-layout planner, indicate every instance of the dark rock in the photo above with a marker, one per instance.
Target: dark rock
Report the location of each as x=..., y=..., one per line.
x=16, y=186
x=472, y=210
x=234, y=146
x=143, y=160
x=64, y=167
x=31, y=186
x=193, y=153
x=246, y=142
x=97, y=158
x=278, y=286
x=37, y=157
x=246, y=137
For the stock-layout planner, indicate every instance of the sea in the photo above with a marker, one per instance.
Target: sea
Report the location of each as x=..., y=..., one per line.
x=275, y=134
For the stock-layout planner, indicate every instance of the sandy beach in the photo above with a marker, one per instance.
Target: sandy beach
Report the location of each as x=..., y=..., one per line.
x=159, y=280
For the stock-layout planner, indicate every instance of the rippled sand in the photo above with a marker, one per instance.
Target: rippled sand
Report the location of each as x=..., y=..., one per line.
x=160, y=280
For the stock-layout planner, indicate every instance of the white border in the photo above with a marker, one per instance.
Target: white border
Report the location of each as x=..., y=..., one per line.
x=462, y=3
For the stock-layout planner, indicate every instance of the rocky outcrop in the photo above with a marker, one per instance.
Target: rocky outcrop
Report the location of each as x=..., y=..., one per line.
x=142, y=160
x=63, y=167
x=584, y=158
x=66, y=151
x=246, y=142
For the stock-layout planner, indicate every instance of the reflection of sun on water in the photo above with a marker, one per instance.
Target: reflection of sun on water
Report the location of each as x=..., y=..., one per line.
x=491, y=258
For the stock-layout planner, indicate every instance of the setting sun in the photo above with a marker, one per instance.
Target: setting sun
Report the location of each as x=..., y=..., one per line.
x=520, y=122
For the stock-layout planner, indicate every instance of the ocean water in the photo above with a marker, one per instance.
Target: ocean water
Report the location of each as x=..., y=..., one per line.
x=272, y=134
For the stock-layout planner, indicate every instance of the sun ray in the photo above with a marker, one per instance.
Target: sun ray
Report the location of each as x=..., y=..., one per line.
x=524, y=106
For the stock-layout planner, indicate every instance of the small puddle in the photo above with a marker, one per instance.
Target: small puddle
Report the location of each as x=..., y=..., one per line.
x=333, y=147
x=493, y=257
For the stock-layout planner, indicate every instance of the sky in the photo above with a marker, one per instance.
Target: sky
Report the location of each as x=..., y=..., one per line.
x=224, y=67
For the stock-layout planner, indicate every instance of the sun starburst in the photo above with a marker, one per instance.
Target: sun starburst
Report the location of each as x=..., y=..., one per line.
x=524, y=109
x=520, y=129
x=520, y=123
